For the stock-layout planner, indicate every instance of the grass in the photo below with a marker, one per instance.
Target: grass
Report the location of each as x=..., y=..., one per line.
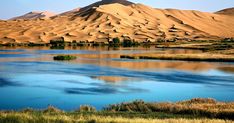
x=86, y=108
x=196, y=110
x=66, y=118
x=184, y=57
x=64, y=57
x=197, y=107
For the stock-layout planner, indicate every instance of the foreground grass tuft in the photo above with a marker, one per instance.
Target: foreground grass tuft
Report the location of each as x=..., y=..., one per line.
x=52, y=109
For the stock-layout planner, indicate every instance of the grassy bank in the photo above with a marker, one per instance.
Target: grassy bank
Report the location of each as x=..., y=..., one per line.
x=191, y=111
x=66, y=118
x=184, y=57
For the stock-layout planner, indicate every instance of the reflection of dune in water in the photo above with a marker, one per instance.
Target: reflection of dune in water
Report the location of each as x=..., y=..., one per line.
x=104, y=60
x=102, y=56
x=112, y=79
x=171, y=76
x=227, y=69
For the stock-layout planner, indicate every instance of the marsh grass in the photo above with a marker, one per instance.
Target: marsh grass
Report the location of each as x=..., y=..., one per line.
x=64, y=57
x=66, y=118
x=196, y=110
x=63, y=118
x=198, y=107
x=183, y=57
x=52, y=109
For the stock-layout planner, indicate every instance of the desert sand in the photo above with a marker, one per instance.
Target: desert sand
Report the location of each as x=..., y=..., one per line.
x=228, y=11
x=35, y=15
x=105, y=20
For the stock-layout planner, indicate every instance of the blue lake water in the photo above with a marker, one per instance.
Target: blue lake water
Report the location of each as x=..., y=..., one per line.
x=98, y=77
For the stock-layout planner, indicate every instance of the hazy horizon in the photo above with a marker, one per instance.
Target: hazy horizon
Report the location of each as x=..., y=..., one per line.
x=13, y=8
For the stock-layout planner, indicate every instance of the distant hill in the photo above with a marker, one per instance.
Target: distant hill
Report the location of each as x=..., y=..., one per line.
x=228, y=11
x=34, y=15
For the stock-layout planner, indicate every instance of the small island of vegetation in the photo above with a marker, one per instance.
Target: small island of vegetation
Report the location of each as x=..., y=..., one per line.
x=64, y=57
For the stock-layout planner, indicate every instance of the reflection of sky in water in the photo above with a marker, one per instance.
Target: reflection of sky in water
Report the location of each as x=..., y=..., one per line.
x=67, y=85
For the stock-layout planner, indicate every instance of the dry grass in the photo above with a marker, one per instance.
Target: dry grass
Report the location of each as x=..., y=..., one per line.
x=64, y=118
x=196, y=110
x=208, y=108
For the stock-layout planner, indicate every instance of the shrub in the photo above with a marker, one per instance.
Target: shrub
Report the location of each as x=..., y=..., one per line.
x=28, y=110
x=55, y=42
x=52, y=109
x=228, y=40
x=199, y=101
x=86, y=108
x=127, y=43
x=64, y=57
x=115, y=42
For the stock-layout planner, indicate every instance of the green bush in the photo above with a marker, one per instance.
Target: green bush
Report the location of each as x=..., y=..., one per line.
x=127, y=43
x=55, y=42
x=115, y=42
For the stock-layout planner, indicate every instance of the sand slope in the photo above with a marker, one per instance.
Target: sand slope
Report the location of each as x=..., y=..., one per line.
x=68, y=13
x=228, y=11
x=132, y=21
x=35, y=15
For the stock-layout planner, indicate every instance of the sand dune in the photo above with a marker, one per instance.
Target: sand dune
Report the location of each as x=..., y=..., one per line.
x=35, y=15
x=105, y=20
x=68, y=13
x=228, y=11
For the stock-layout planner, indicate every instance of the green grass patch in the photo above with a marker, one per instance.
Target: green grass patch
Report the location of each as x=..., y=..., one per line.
x=64, y=57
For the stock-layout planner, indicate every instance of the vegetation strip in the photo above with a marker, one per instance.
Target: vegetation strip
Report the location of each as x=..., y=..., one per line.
x=182, y=58
x=196, y=110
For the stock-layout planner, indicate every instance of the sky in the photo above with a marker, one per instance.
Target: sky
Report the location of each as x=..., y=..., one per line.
x=12, y=8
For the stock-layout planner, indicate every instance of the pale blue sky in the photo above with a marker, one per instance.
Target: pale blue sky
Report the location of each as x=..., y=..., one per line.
x=12, y=8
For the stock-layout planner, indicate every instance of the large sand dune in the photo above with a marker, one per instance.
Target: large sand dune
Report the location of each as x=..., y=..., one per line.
x=102, y=21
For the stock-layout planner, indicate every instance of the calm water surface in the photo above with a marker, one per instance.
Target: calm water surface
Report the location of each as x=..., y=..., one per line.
x=29, y=77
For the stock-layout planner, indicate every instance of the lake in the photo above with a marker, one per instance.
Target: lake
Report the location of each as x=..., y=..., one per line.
x=29, y=77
